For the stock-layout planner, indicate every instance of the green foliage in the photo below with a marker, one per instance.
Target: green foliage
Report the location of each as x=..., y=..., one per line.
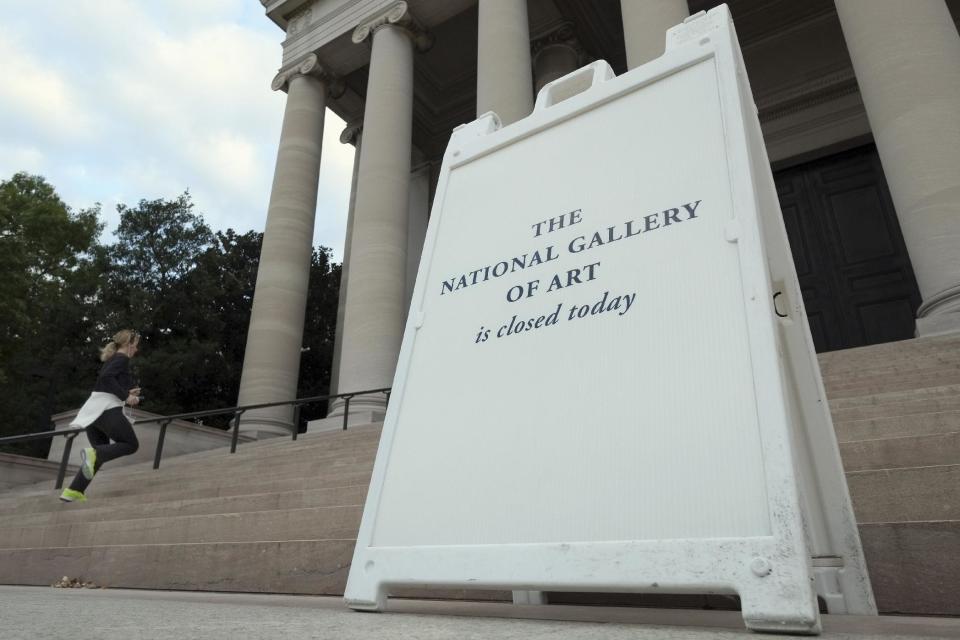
x=186, y=289
x=319, y=330
x=48, y=257
x=45, y=258
x=157, y=246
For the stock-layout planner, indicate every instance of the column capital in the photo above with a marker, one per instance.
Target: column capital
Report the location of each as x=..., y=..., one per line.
x=564, y=34
x=352, y=132
x=309, y=66
x=397, y=14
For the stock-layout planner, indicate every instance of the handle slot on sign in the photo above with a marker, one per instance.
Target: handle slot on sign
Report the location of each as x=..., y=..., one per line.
x=574, y=83
x=775, y=309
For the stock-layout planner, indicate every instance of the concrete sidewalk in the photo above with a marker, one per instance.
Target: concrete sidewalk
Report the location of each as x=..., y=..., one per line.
x=106, y=614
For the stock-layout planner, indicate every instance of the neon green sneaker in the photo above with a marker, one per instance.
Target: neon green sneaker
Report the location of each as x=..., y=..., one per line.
x=72, y=495
x=88, y=462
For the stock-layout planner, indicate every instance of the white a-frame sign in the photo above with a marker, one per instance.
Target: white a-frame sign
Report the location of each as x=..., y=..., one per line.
x=607, y=382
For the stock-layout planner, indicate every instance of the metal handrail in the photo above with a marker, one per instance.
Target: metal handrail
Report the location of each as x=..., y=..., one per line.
x=165, y=421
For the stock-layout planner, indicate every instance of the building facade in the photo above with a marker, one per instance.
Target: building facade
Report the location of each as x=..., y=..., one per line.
x=859, y=101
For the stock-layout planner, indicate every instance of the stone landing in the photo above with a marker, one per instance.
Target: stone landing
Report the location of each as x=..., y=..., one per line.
x=108, y=614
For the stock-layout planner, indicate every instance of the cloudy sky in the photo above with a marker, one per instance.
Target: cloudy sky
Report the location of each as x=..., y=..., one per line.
x=117, y=100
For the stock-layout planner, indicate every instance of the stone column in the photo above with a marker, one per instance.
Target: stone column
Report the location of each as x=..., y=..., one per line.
x=418, y=216
x=271, y=363
x=906, y=56
x=504, y=75
x=555, y=55
x=645, y=24
x=352, y=134
x=376, y=302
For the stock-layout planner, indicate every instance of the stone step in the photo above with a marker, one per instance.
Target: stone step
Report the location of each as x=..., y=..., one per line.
x=906, y=358
x=223, y=465
x=892, y=382
x=289, y=566
x=913, y=365
x=909, y=365
x=95, y=511
x=306, y=451
x=230, y=462
x=905, y=408
x=914, y=566
x=932, y=423
x=892, y=398
x=252, y=526
x=229, y=470
x=906, y=495
x=908, y=451
x=318, y=442
x=162, y=483
x=136, y=495
x=889, y=352
x=231, y=467
x=909, y=362
x=331, y=440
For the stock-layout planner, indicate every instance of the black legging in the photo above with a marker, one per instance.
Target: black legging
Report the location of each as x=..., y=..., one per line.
x=111, y=425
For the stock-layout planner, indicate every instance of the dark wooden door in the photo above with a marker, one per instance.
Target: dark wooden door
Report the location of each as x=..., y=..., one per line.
x=857, y=280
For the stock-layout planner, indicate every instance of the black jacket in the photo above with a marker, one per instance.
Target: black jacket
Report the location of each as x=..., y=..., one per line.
x=115, y=376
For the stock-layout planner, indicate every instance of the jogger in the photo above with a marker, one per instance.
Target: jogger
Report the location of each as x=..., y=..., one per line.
x=102, y=414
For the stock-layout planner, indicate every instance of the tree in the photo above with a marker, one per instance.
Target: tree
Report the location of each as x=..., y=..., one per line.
x=158, y=243
x=187, y=290
x=319, y=331
x=49, y=260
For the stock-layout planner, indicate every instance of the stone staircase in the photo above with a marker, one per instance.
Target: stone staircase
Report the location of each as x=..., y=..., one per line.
x=277, y=516
x=896, y=411
x=282, y=516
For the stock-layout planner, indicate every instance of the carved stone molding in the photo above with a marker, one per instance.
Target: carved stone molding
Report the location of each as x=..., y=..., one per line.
x=299, y=21
x=398, y=14
x=555, y=54
x=826, y=87
x=351, y=133
x=309, y=66
x=563, y=35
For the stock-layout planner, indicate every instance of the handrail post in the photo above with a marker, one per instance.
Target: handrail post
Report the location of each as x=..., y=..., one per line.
x=236, y=432
x=67, y=446
x=160, y=438
x=296, y=420
x=346, y=410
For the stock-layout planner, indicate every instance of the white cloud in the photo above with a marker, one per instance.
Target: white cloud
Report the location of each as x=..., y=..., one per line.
x=118, y=100
x=19, y=158
x=36, y=94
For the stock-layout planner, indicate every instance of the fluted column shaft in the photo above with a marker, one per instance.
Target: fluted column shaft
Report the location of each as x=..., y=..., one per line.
x=271, y=363
x=352, y=134
x=504, y=76
x=645, y=24
x=375, y=304
x=906, y=56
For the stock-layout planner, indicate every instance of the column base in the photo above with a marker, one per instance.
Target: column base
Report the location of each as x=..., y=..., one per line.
x=938, y=325
x=262, y=427
x=335, y=423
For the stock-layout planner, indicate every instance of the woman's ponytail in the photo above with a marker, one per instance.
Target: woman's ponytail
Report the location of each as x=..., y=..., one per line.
x=121, y=339
x=107, y=351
